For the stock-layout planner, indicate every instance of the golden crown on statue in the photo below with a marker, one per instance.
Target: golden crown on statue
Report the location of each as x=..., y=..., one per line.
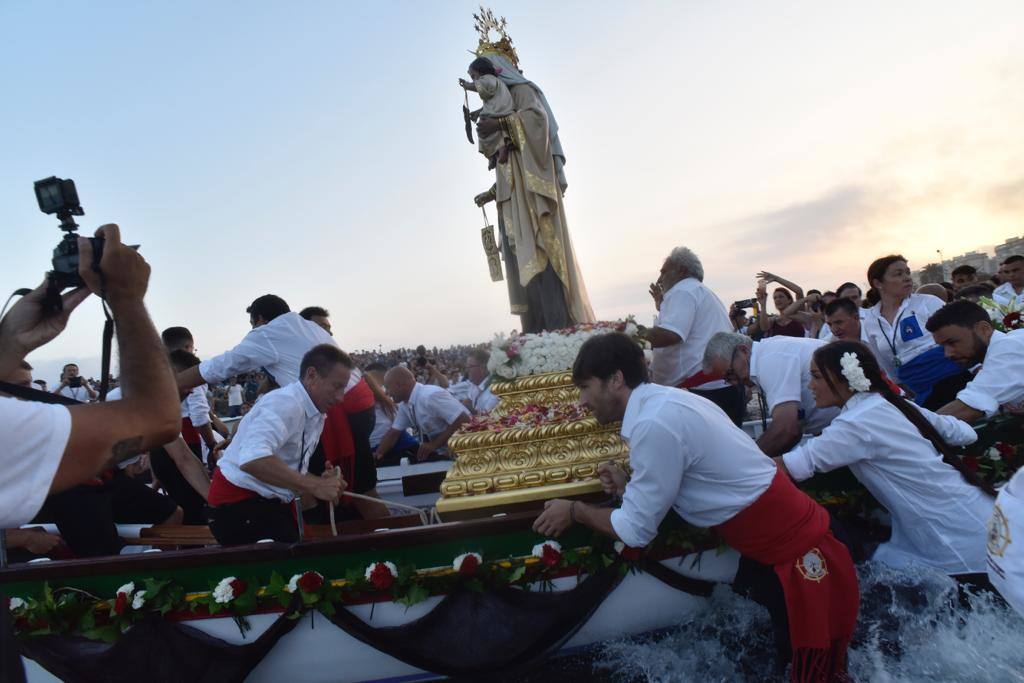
x=485, y=23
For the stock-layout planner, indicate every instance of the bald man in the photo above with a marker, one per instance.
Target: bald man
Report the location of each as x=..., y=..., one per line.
x=430, y=410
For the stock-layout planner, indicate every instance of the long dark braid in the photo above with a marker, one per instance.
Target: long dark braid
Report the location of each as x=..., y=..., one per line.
x=828, y=358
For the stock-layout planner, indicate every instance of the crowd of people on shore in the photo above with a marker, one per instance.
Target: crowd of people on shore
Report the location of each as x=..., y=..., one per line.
x=885, y=382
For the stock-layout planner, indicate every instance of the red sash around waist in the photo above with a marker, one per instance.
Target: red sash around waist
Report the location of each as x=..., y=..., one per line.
x=359, y=398
x=786, y=529
x=223, y=492
x=189, y=433
x=697, y=380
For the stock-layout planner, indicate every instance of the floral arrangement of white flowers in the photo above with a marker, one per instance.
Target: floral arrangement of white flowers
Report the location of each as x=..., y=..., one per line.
x=1005, y=317
x=854, y=373
x=555, y=351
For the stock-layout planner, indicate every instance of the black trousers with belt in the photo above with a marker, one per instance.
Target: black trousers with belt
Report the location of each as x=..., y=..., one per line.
x=253, y=520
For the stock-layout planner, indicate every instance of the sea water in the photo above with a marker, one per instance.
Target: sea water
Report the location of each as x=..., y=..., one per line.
x=913, y=626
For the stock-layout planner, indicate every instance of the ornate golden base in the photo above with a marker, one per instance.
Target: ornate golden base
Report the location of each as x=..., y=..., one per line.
x=493, y=470
x=549, y=389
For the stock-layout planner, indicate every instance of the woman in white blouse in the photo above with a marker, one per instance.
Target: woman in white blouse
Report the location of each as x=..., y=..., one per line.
x=900, y=453
x=895, y=326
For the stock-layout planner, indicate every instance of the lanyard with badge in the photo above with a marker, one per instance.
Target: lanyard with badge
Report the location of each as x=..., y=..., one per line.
x=892, y=342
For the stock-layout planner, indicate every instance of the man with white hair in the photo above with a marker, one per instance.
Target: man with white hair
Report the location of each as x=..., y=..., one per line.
x=781, y=368
x=688, y=315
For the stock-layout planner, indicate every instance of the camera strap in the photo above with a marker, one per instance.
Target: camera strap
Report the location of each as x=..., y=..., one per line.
x=36, y=395
x=108, y=337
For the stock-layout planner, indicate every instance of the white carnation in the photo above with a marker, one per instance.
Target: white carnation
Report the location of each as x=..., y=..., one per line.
x=224, y=593
x=127, y=589
x=293, y=583
x=538, y=550
x=17, y=604
x=139, y=600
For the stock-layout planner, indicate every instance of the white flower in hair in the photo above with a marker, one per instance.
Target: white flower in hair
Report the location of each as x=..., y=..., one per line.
x=854, y=373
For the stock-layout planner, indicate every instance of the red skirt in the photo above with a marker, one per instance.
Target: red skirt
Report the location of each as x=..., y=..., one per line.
x=336, y=439
x=784, y=528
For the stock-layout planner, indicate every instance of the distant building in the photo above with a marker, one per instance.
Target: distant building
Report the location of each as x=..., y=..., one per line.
x=980, y=261
x=1013, y=245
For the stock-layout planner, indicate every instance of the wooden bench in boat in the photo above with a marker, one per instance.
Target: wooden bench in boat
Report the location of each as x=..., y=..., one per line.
x=177, y=535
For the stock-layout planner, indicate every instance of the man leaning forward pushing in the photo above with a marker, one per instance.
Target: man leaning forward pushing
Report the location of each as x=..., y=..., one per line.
x=267, y=463
x=685, y=454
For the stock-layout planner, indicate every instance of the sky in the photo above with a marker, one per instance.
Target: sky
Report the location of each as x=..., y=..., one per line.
x=315, y=150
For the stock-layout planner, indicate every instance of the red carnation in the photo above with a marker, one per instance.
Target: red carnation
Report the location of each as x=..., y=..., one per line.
x=310, y=582
x=469, y=564
x=550, y=556
x=630, y=553
x=1005, y=450
x=238, y=587
x=1012, y=320
x=381, y=577
x=971, y=462
x=121, y=604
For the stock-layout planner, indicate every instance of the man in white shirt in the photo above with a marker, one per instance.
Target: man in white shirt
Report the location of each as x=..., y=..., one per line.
x=781, y=368
x=234, y=398
x=474, y=391
x=266, y=465
x=1012, y=289
x=965, y=331
x=278, y=341
x=688, y=314
x=686, y=455
x=430, y=410
x=73, y=386
x=844, y=321
x=49, y=448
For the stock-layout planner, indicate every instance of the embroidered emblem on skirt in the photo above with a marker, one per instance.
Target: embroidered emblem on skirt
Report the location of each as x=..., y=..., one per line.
x=998, y=532
x=812, y=565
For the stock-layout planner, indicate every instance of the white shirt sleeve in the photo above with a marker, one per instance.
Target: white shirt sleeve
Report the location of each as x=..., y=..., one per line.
x=999, y=381
x=198, y=406
x=654, y=486
x=779, y=378
x=264, y=437
x=953, y=430
x=402, y=419
x=34, y=438
x=252, y=353
x=447, y=407
x=677, y=313
x=841, y=443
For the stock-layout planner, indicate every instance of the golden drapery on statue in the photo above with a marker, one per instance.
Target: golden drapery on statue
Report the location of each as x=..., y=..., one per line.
x=528, y=192
x=530, y=201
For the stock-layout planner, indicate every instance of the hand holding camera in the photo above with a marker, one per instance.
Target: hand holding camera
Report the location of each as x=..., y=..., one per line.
x=123, y=274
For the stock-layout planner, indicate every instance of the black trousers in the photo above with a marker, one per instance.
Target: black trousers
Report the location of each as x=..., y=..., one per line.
x=86, y=516
x=177, y=487
x=731, y=399
x=253, y=520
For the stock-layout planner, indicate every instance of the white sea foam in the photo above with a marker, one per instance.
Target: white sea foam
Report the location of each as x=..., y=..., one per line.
x=912, y=627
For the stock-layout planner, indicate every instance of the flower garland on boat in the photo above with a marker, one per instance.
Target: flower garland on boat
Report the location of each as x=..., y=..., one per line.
x=554, y=351
x=1005, y=317
x=70, y=611
x=528, y=416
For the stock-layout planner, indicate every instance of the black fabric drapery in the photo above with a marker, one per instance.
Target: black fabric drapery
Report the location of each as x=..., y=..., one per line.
x=467, y=633
x=155, y=651
x=475, y=633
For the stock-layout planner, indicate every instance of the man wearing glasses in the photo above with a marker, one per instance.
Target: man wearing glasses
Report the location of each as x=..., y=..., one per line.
x=780, y=367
